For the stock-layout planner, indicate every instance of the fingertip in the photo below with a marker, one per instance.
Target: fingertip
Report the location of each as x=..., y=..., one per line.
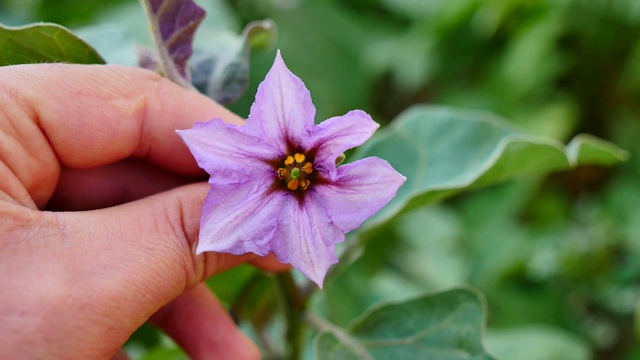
x=199, y=323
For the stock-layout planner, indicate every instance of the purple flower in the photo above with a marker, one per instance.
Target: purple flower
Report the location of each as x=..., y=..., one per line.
x=275, y=185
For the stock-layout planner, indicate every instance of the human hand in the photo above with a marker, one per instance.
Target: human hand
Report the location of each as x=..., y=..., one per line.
x=95, y=148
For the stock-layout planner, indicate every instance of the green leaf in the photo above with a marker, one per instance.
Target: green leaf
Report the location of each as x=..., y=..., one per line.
x=220, y=65
x=586, y=149
x=443, y=151
x=447, y=325
x=43, y=43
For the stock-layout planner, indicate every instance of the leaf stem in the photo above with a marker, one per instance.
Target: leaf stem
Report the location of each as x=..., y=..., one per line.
x=324, y=325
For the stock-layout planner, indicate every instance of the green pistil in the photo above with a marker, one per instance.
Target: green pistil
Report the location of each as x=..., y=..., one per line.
x=295, y=173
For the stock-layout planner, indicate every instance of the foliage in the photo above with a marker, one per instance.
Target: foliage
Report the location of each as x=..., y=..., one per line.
x=44, y=43
x=451, y=329
x=546, y=231
x=443, y=150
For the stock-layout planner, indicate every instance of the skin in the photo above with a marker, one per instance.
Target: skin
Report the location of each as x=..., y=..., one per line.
x=99, y=216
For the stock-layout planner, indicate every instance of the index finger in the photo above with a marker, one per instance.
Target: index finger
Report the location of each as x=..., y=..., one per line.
x=92, y=115
x=97, y=114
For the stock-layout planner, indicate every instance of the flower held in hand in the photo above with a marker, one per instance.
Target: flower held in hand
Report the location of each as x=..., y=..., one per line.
x=274, y=181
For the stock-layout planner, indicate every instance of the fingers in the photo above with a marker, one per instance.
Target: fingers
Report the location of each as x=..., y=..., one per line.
x=113, y=184
x=153, y=239
x=152, y=244
x=199, y=323
x=87, y=116
x=94, y=115
x=134, y=258
x=123, y=263
x=101, y=274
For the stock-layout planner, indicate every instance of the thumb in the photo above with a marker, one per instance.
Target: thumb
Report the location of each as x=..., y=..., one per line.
x=148, y=246
x=132, y=259
x=99, y=275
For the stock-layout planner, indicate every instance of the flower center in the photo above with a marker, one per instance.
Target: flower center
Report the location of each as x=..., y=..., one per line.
x=295, y=172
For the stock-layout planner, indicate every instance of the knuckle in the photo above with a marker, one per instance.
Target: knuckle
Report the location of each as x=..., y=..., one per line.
x=181, y=219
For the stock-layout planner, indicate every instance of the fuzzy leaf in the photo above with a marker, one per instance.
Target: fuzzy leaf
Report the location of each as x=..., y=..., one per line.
x=443, y=326
x=173, y=24
x=220, y=66
x=443, y=151
x=44, y=43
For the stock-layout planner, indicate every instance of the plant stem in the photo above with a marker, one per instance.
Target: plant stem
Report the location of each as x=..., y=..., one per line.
x=241, y=303
x=294, y=305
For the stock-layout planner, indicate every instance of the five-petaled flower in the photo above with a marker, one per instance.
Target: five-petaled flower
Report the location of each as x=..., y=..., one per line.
x=275, y=185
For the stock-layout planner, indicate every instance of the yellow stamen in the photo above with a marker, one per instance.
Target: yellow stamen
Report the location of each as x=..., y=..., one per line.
x=299, y=158
x=282, y=173
x=289, y=160
x=304, y=184
x=293, y=184
x=308, y=168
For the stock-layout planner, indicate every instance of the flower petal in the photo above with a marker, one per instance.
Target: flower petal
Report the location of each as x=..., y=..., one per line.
x=239, y=218
x=334, y=136
x=306, y=238
x=283, y=110
x=358, y=191
x=224, y=150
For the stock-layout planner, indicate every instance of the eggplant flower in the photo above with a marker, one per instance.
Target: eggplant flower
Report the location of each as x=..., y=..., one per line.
x=275, y=185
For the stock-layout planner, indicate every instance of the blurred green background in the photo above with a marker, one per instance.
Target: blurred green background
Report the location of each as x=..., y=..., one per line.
x=557, y=257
